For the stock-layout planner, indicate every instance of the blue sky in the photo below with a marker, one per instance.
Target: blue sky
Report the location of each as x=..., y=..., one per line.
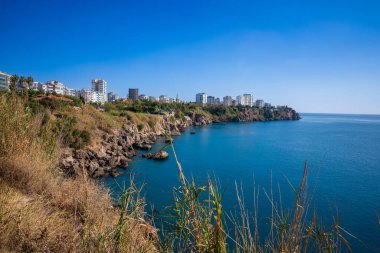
x=316, y=56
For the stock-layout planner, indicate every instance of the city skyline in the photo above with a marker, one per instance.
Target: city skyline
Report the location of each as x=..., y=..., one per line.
x=314, y=57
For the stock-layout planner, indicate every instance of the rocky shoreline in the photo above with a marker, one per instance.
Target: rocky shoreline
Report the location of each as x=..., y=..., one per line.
x=116, y=149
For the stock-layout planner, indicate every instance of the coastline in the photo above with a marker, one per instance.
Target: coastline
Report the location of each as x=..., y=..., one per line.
x=116, y=149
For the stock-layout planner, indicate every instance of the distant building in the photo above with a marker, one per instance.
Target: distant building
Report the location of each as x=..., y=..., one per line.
x=88, y=96
x=247, y=100
x=133, y=94
x=217, y=101
x=259, y=103
x=201, y=98
x=267, y=105
x=227, y=101
x=43, y=87
x=143, y=97
x=239, y=100
x=210, y=100
x=69, y=92
x=112, y=97
x=5, y=80
x=99, y=87
x=152, y=98
x=35, y=86
x=55, y=87
x=164, y=99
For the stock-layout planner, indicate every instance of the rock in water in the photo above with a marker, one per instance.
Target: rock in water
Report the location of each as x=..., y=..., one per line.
x=161, y=155
x=148, y=155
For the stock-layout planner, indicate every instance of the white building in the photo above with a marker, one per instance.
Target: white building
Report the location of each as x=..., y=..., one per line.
x=164, y=99
x=5, y=80
x=87, y=95
x=227, y=101
x=43, y=87
x=35, y=86
x=69, y=91
x=247, y=100
x=143, y=97
x=99, y=86
x=55, y=87
x=201, y=98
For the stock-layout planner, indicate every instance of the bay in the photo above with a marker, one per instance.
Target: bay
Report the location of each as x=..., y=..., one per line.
x=343, y=153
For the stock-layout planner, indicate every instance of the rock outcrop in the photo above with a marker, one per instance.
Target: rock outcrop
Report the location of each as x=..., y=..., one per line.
x=116, y=149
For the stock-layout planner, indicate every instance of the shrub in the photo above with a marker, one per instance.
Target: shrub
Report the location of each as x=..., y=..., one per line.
x=152, y=123
x=140, y=126
x=80, y=138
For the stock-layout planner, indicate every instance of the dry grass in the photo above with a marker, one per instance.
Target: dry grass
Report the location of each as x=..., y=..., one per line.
x=42, y=211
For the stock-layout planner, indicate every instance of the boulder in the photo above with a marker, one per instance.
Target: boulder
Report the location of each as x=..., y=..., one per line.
x=115, y=173
x=161, y=155
x=148, y=155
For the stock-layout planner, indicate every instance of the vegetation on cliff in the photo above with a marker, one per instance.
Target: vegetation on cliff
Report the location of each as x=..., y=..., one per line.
x=210, y=113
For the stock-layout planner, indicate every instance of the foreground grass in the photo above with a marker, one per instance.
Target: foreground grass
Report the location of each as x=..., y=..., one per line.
x=41, y=210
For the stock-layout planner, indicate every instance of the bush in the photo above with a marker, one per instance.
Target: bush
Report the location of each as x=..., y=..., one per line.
x=152, y=123
x=80, y=138
x=140, y=126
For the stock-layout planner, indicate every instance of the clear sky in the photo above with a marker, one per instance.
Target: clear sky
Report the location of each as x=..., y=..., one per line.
x=316, y=56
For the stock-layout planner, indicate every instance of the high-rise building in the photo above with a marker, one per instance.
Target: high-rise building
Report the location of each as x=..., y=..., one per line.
x=259, y=103
x=227, y=101
x=247, y=100
x=99, y=86
x=133, y=94
x=210, y=100
x=5, y=80
x=239, y=100
x=201, y=98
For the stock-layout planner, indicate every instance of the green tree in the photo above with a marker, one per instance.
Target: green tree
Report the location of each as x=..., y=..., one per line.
x=14, y=81
x=22, y=81
x=29, y=81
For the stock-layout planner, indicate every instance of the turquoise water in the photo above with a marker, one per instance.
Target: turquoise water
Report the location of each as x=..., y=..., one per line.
x=343, y=152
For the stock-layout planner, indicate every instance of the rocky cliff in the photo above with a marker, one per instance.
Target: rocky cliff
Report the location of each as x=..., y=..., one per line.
x=116, y=148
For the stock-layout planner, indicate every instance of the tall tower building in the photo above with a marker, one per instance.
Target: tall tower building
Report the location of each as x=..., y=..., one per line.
x=201, y=98
x=133, y=94
x=99, y=86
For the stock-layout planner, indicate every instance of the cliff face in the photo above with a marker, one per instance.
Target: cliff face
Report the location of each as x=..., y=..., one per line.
x=265, y=114
x=116, y=148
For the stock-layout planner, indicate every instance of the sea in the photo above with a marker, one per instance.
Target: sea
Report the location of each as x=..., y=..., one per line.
x=342, y=152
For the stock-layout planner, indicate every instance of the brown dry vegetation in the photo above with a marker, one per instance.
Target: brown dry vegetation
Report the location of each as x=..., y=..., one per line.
x=42, y=211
